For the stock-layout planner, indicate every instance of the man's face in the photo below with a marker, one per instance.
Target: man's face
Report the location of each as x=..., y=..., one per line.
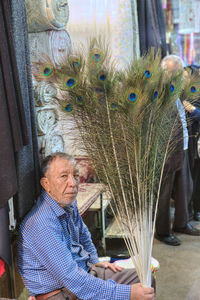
x=61, y=181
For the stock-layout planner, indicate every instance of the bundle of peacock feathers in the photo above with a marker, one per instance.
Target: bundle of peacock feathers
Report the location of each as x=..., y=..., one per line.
x=126, y=121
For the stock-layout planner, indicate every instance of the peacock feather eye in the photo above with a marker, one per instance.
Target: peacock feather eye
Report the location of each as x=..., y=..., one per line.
x=131, y=94
x=193, y=89
x=132, y=97
x=80, y=99
x=47, y=71
x=147, y=74
x=155, y=95
x=69, y=82
x=75, y=64
x=102, y=77
x=68, y=107
x=96, y=57
x=114, y=106
x=172, y=88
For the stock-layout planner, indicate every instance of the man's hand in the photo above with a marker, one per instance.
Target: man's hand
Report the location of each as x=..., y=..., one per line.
x=139, y=292
x=109, y=265
x=188, y=106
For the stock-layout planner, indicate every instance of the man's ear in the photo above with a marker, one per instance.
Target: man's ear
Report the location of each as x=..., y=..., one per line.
x=45, y=183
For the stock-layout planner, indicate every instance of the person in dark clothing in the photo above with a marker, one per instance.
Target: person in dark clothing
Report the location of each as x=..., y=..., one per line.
x=194, y=156
x=177, y=177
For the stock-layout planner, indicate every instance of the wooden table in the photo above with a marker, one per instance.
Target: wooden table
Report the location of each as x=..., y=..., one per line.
x=88, y=193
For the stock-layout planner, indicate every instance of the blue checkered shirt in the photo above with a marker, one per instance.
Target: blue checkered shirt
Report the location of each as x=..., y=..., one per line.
x=55, y=250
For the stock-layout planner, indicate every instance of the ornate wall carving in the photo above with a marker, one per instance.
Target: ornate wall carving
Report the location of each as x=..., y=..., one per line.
x=46, y=119
x=51, y=142
x=44, y=93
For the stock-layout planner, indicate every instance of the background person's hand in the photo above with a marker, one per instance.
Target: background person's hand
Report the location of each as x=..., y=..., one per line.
x=105, y=264
x=188, y=106
x=139, y=292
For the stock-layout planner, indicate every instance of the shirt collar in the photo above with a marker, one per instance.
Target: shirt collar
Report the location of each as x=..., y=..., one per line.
x=59, y=211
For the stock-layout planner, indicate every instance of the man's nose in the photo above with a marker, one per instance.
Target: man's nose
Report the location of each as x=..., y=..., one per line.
x=71, y=180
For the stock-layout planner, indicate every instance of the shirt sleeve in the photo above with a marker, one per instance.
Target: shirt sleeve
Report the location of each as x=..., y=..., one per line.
x=85, y=238
x=56, y=257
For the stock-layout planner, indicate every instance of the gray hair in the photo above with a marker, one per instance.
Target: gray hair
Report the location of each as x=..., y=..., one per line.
x=178, y=63
x=50, y=158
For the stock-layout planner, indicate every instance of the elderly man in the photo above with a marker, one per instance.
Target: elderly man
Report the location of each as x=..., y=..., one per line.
x=177, y=181
x=57, y=259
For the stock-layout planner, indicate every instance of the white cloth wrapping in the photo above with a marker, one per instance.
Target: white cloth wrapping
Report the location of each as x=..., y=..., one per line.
x=46, y=14
x=51, y=43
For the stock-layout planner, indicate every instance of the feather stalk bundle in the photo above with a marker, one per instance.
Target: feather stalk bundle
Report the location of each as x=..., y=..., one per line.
x=126, y=120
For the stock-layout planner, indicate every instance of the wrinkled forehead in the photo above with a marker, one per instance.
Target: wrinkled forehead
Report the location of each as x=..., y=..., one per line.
x=60, y=164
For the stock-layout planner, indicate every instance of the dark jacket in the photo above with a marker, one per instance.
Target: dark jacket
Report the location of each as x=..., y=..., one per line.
x=176, y=154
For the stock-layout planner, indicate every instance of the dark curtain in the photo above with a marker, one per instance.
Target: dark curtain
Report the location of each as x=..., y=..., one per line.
x=27, y=159
x=194, y=133
x=19, y=159
x=152, y=28
x=12, y=118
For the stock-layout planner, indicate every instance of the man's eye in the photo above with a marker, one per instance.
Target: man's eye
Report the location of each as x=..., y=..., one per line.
x=64, y=176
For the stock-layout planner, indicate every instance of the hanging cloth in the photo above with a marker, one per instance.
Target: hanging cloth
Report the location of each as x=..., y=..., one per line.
x=151, y=21
x=27, y=159
x=19, y=159
x=13, y=133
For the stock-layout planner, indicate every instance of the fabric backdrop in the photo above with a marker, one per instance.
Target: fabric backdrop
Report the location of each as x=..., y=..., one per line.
x=13, y=133
x=27, y=159
x=111, y=18
x=19, y=159
x=152, y=29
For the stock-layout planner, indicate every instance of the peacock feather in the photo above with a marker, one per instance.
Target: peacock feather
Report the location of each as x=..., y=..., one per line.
x=126, y=121
x=191, y=90
x=44, y=69
x=191, y=94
